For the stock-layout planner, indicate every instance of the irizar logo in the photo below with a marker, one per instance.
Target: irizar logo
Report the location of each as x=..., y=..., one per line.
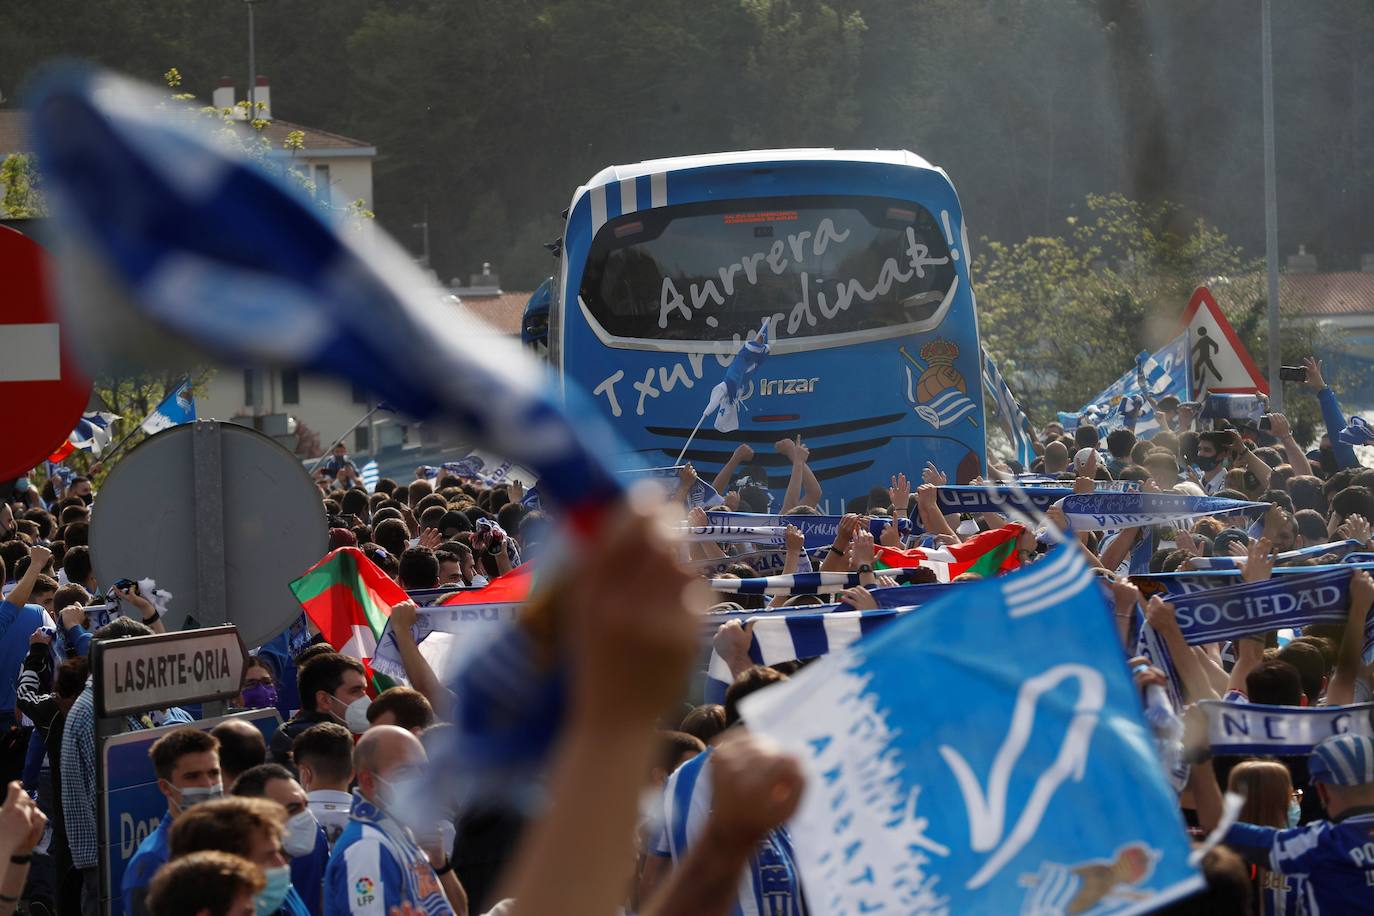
x=787, y=386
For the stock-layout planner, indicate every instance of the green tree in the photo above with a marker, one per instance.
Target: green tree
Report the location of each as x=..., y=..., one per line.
x=1065, y=316
x=20, y=196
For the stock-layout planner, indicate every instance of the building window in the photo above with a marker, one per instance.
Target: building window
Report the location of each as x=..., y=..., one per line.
x=362, y=440
x=248, y=389
x=359, y=394
x=290, y=386
x=322, y=184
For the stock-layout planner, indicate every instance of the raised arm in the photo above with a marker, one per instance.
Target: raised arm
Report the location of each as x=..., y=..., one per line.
x=928, y=508
x=1115, y=553
x=1341, y=691
x=754, y=788
x=628, y=618
x=796, y=543
x=837, y=560
x=797, y=454
x=418, y=671
x=1159, y=614
x=741, y=454
x=1257, y=465
x=38, y=559
x=1283, y=431
x=1331, y=414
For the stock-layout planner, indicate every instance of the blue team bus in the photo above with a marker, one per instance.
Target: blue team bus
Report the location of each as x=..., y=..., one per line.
x=860, y=259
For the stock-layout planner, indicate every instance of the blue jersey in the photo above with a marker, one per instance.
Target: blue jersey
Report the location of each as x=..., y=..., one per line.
x=148, y=858
x=376, y=865
x=16, y=626
x=1333, y=859
x=770, y=886
x=307, y=874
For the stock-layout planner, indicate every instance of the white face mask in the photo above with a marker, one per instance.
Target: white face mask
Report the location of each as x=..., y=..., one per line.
x=302, y=830
x=1294, y=812
x=355, y=713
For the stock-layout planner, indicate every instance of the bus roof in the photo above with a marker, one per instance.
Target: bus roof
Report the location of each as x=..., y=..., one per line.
x=675, y=163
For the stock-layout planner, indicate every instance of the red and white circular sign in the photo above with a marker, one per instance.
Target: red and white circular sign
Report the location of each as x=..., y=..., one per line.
x=43, y=391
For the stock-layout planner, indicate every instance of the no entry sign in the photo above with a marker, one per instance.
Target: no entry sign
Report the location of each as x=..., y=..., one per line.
x=43, y=390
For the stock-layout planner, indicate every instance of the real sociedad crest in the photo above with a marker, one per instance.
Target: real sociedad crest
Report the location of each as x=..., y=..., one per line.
x=939, y=395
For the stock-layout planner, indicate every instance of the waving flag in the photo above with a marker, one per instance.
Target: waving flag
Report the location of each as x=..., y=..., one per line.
x=1017, y=424
x=349, y=600
x=370, y=475
x=176, y=408
x=1157, y=374
x=987, y=554
x=92, y=434
x=1152, y=377
x=908, y=809
x=725, y=397
x=1359, y=432
x=212, y=249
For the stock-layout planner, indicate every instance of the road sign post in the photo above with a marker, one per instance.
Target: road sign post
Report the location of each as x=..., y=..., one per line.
x=139, y=673
x=130, y=805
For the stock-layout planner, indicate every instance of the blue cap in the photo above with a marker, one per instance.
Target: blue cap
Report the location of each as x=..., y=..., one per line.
x=1343, y=760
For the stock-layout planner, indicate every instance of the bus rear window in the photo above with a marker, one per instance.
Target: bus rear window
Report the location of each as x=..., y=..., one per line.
x=826, y=265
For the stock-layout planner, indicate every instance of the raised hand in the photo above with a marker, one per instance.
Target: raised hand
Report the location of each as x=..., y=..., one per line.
x=1160, y=615
x=431, y=538
x=39, y=556
x=899, y=492
x=755, y=787
x=795, y=539
x=731, y=643
x=861, y=549
x=1314, y=378
x=1260, y=557
x=859, y=598
x=1279, y=426
x=744, y=452
x=403, y=616
x=932, y=474
x=1355, y=527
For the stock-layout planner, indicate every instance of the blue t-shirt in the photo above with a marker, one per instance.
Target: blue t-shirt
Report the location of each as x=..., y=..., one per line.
x=148, y=858
x=16, y=626
x=307, y=873
x=1334, y=859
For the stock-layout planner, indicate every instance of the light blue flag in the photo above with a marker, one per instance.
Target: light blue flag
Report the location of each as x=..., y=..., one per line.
x=370, y=475
x=1014, y=419
x=1163, y=373
x=1037, y=789
x=727, y=396
x=178, y=407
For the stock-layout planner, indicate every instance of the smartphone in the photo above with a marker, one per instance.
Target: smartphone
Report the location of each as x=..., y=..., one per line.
x=1265, y=424
x=1293, y=373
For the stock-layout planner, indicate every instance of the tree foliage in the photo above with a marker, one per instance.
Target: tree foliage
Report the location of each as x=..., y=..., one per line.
x=1065, y=315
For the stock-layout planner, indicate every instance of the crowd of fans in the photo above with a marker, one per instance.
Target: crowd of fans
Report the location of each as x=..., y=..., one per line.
x=334, y=811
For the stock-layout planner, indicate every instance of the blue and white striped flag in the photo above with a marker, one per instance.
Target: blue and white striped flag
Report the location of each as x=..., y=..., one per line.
x=1151, y=376
x=370, y=475
x=178, y=407
x=214, y=250
x=1017, y=424
x=786, y=639
x=92, y=432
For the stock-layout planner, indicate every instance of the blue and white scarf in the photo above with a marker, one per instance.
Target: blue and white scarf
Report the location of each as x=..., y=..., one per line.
x=1284, y=731
x=814, y=583
x=733, y=534
x=1359, y=432
x=1110, y=511
x=1314, y=550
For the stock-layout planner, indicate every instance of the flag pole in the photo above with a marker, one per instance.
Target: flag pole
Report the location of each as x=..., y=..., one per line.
x=339, y=441
x=106, y=456
x=686, y=444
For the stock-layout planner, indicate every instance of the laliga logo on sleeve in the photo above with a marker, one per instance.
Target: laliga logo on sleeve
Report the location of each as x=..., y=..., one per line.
x=987, y=812
x=940, y=395
x=363, y=889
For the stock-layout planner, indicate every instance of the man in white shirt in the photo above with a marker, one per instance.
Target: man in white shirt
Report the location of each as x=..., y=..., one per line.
x=324, y=760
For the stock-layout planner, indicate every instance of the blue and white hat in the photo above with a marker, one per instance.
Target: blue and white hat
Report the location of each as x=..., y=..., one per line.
x=1343, y=760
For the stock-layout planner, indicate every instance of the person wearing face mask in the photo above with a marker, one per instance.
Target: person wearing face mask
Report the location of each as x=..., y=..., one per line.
x=254, y=828
x=186, y=761
x=304, y=842
x=1331, y=857
x=333, y=688
x=379, y=862
x=259, y=690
